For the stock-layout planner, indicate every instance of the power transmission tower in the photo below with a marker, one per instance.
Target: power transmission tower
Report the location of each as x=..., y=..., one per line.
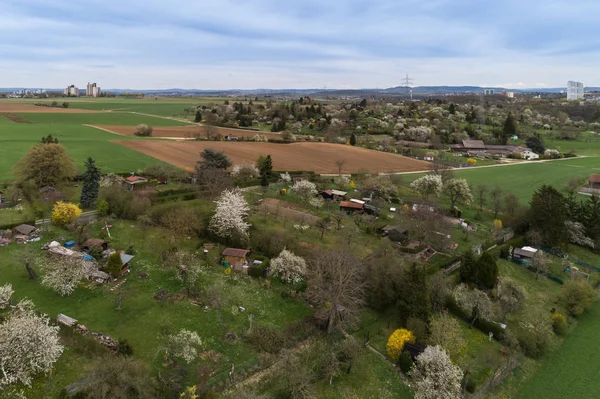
x=407, y=83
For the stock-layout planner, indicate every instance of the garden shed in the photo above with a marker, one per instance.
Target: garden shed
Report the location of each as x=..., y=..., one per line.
x=94, y=243
x=236, y=258
x=350, y=206
x=25, y=229
x=395, y=233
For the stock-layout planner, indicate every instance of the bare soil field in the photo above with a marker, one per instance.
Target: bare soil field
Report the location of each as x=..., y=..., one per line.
x=13, y=117
x=22, y=108
x=188, y=132
x=317, y=157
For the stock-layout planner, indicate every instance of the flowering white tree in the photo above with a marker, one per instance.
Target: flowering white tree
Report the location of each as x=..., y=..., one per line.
x=229, y=220
x=28, y=345
x=317, y=202
x=6, y=292
x=576, y=233
x=305, y=189
x=291, y=268
x=458, y=190
x=435, y=376
x=63, y=273
x=285, y=177
x=474, y=302
x=428, y=185
x=245, y=171
x=184, y=345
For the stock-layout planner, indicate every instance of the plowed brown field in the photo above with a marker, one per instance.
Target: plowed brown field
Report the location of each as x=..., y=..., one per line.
x=318, y=157
x=188, y=132
x=22, y=108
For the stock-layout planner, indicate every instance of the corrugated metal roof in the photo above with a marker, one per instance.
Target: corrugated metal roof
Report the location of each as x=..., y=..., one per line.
x=235, y=252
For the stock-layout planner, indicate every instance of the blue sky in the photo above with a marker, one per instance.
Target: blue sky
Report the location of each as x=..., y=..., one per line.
x=222, y=44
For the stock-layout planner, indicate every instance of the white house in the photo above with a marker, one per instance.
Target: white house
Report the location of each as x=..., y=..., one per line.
x=528, y=154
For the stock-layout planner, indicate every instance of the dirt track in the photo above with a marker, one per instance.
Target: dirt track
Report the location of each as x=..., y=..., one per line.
x=22, y=108
x=188, y=132
x=318, y=157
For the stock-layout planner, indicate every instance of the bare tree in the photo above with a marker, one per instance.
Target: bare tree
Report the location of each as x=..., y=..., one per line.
x=511, y=203
x=481, y=191
x=209, y=130
x=340, y=164
x=336, y=287
x=442, y=168
x=540, y=263
x=496, y=196
x=338, y=218
x=323, y=224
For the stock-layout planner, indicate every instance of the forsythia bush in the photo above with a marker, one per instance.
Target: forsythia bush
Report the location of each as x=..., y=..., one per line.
x=64, y=213
x=397, y=341
x=471, y=161
x=498, y=224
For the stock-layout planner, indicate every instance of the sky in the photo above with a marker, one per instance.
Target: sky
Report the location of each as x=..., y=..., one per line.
x=234, y=44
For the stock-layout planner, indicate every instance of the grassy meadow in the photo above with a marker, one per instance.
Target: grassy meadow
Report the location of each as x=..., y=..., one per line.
x=523, y=179
x=107, y=118
x=81, y=142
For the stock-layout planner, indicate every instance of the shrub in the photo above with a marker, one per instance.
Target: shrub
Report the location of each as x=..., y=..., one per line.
x=102, y=207
x=559, y=323
x=64, y=213
x=396, y=342
x=124, y=347
x=405, y=362
x=114, y=266
x=266, y=339
x=578, y=296
x=257, y=271
x=143, y=130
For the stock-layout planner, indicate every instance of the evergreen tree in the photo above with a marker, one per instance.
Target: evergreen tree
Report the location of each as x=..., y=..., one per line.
x=591, y=217
x=114, y=265
x=414, y=298
x=509, y=129
x=363, y=103
x=468, y=267
x=264, y=181
x=49, y=139
x=265, y=166
x=487, y=271
x=91, y=184
x=452, y=109
x=353, y=139
x=198, y=117
x=548, y=214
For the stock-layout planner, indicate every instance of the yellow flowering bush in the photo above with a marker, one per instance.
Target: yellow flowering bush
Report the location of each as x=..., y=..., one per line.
x=397, y=341
x=471, y=161
x=64, y=213
x=228, y=271
x=559, y=322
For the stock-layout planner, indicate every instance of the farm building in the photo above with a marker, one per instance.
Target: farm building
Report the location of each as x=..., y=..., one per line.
x=371, y=209
x=350, y=206
x=94, y=243
x=594, y=182
x=237, y=259
x=333, y=195
x=132, y=181
x=395, y=233
x=478, y=147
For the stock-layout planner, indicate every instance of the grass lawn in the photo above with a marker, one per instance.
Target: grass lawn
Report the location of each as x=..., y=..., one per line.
x=571, y=371
x=144, y=321
x=523, y=179
x=81, y=142
x=108, y=118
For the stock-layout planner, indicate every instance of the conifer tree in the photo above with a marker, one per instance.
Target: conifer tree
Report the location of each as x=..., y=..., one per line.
x=487, y=271
x=91, y=183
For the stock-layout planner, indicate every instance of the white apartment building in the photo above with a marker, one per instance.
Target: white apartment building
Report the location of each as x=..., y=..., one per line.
x=71, y=91
x=92, y=90
x=574, y=90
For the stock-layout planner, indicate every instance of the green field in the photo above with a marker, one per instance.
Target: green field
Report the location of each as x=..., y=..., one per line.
x=108, y=118
x=572, y=371
x=523, y=179
x=81, y=142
